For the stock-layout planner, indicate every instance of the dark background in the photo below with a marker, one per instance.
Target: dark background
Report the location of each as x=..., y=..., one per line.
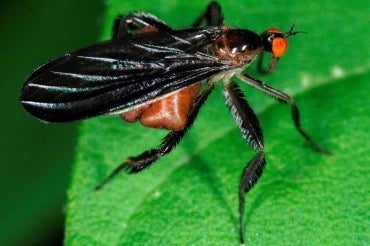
x=36, y=158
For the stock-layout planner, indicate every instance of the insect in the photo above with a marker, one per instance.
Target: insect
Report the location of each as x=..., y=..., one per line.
x=161, y=77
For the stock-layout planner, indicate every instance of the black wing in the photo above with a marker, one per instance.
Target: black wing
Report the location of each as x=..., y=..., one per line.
x=116, y=75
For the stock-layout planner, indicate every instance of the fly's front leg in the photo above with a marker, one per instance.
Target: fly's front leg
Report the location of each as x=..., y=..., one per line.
x=213, y=16
x=128, y=25
x=249, y=125
x=144, y=160
x=282, y=97
x=271, y=67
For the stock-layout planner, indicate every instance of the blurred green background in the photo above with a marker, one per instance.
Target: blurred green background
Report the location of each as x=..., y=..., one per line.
x=36, y=158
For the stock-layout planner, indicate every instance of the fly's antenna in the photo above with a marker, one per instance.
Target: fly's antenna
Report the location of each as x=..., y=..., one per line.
x=291, y=31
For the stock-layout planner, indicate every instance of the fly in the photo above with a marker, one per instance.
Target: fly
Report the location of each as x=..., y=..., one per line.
x=161, y=77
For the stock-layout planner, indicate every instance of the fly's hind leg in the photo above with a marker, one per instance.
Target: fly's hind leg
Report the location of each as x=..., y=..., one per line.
x=140, y=22
x=128, y=25
x=212, y=15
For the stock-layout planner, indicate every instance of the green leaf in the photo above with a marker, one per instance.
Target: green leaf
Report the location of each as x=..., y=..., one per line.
x=190, y=196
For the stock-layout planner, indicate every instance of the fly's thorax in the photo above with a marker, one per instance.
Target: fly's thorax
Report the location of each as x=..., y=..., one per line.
x=237, y=46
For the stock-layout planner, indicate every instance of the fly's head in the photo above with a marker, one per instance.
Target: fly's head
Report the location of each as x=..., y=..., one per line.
x=275, y=42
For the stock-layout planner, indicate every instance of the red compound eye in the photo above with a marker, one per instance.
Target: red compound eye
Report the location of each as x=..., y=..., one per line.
x=278, y=42
x=279, y=46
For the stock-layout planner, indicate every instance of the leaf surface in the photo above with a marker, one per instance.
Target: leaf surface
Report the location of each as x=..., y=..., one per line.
x=190, y=196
